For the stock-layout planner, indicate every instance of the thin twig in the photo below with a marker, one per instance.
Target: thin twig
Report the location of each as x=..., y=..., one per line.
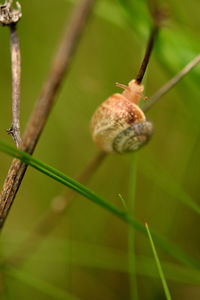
x=170, y=84
x=10, y=17
x=53, y=215
x=158, y=16
x=16, y=79
x=147, y=55
x=45, y=103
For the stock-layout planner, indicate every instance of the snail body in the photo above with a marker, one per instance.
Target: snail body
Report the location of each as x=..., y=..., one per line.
x=118, y=124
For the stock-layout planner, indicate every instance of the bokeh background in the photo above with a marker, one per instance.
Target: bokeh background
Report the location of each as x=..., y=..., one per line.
x=87, y=255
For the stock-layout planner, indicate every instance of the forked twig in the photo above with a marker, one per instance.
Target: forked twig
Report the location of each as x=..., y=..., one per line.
x=45, y=103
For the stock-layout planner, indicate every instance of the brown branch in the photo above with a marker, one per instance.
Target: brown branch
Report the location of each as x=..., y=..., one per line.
x=53, y=216
x=170, y=84
x=45, y=103
x=16, y=79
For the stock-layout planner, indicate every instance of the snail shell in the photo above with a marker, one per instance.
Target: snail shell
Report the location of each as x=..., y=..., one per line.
x=119, y=125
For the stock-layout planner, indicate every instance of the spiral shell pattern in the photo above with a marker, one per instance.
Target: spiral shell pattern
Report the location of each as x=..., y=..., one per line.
x=132, y=138
x=119, y=125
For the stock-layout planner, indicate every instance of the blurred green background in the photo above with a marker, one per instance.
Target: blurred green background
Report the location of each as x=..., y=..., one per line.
x=87, y=255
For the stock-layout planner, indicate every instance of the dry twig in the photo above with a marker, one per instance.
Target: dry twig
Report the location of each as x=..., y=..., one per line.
x=158, y=18
x=45, y=103
x=9, y=17
x=147, y=55
x=16, y=79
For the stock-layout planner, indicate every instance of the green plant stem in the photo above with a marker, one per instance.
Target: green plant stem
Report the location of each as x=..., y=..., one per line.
x=131, y=231
x=160, y=270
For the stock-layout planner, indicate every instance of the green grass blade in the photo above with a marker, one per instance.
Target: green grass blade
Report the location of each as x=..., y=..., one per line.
x=123, y=202
x=173, y=272
x=160, y=271
x=39, y=284
x=131, y=230
x=165, y=244
x=59, y=176
x=169, y=247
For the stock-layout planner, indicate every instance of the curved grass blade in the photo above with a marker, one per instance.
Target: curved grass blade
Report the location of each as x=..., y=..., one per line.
x=169, y=247
x=131, y=231
x=160, y=270
x=123, y=202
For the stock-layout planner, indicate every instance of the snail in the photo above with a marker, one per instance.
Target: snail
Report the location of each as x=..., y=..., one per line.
x=118, y=124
